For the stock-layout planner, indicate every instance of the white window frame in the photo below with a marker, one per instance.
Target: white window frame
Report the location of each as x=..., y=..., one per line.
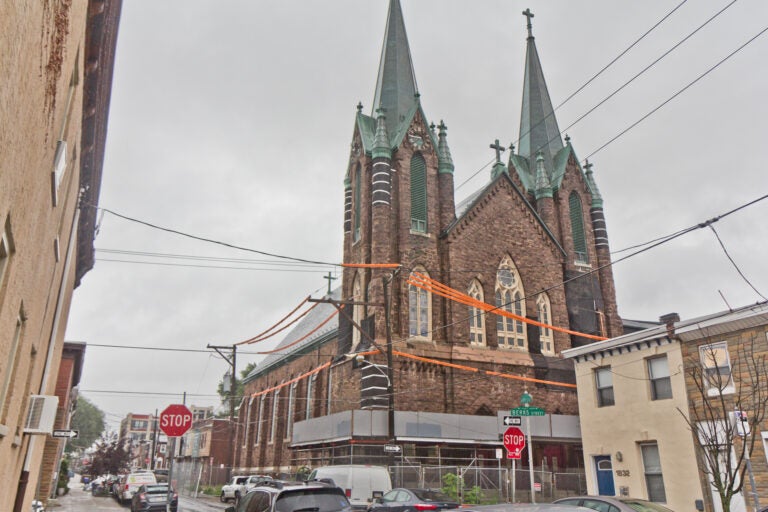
x=10, y=367
x=652, y=472
x=357, y=310
x=600, y=386
x=419, y=321
x=510, y=297
x=476, y=316
x=652, y=378
x=291, y=411
x=260, y=421
x=275, y=409
x=546, y=336
x=705, y=355
x=764, y=436
x=311, y=382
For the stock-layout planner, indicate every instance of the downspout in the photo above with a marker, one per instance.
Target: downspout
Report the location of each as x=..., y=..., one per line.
x=24, y=477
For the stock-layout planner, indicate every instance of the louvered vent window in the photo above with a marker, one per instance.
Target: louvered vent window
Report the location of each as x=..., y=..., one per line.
x=418, y=194
x=577, y=228
x=358, y=199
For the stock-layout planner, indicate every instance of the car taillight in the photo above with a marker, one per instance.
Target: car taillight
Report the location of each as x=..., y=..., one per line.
x=127, y=487
x=348, y=492
x=425, y=506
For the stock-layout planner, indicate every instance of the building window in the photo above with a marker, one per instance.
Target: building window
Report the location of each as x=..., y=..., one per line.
x=358, y=203
x=476, y=316
x=310, y=394
x=604, y=384
x=260, y=420
x=419, y=310
x=291, y=411
x=658, y=374
x=357, y=311
x=654, y=481
x=329, y=394
x=509, y=297
x=275, y=409
x=418, y=194
x=716, y=368
x=577, y=228
x=6, y=252
x=545, y=333
x=8, y=370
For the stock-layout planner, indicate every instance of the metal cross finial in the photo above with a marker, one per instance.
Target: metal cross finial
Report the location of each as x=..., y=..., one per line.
x=442, y=128
x=330, y=278
x=528, y=14
x=499, y=150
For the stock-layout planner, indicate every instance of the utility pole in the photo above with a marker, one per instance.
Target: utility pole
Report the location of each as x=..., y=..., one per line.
x=232, y=360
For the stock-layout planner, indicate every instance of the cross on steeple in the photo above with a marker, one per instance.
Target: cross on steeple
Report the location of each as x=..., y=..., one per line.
x=499, y=150
x=330, y=278
x=528, y=14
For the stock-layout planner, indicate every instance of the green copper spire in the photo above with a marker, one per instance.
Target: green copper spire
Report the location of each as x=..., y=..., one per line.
x=444, y=160
x=597, y=199
x=543, y=184
x=381, y=147
x=396, y=84
x=538, y=126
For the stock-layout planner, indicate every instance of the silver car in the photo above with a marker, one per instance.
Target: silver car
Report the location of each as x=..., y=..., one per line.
x=613, y=504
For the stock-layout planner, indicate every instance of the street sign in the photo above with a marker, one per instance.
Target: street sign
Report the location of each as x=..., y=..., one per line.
x=175, y=420
x=392, y=448
x=527, y=411
x=514, y=442
x=68, y=434
x=513, y=420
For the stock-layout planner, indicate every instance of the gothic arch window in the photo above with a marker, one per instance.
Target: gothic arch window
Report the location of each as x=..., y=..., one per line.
x=510, y=298
x=476, y=315
x=418, y=194
x=357, y=310
x=577, y=228
x=545, y=316
x=419, y=310
x=356, y=230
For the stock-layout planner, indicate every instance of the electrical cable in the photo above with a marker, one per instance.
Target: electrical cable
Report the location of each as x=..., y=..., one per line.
x=722, y=245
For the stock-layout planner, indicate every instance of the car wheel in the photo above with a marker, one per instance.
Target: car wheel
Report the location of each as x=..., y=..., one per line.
x=222, y=498
x=237, y=497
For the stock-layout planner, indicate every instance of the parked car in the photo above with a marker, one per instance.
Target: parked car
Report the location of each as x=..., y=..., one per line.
x=613, y=504
x=361, y=483
x=130, y=483
x=235, y=485
x=254, y=481
x=412, y=500
x=153, y=497
x=523, y=507
x=290, y=496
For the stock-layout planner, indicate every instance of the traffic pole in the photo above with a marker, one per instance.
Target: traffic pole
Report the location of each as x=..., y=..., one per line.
x=530, y=455
x=170, y=475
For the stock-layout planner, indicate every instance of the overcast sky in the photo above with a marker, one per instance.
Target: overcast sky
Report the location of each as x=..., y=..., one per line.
x=231, y=120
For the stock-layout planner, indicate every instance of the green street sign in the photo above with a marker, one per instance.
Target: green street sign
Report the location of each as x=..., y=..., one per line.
x=527, y=411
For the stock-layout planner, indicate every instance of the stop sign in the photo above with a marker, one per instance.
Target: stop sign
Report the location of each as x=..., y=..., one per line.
x=175, y=420
x=514, y=442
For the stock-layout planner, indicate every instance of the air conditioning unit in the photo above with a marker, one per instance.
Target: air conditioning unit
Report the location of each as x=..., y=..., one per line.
x=41, y=415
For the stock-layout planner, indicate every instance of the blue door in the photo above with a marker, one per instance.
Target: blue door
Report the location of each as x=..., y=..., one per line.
x=604, y=472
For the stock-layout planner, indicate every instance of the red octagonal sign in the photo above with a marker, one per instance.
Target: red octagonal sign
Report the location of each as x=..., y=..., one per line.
x=514, y=442
x=175, y=420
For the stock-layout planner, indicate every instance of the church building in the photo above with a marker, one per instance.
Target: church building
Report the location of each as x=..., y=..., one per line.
x=449, y=314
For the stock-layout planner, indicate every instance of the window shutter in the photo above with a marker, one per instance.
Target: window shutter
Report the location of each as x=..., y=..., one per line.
x=418, y=193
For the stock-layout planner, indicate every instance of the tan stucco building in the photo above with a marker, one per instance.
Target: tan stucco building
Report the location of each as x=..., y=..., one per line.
x=56, y=65
x=636, y=396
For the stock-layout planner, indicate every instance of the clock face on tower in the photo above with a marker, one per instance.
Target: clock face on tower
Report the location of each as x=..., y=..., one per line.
x=415, y=139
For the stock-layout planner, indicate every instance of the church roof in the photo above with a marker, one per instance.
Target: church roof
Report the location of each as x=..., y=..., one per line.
x=396, y=83
x=538, y=125
x=314, y=318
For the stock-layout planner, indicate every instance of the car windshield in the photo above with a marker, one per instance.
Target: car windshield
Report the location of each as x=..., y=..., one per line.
x=430, y=495
x=645, y=506
x=312, y=500
x=157, y=489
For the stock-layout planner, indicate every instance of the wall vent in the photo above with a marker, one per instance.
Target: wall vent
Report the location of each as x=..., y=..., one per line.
x=41, y=415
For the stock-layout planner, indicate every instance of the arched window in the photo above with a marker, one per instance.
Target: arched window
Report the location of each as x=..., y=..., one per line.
x=418, y=194
x=419, y=310
x=509, y=297
x=476, y=316
x=545, y=317
x=358, y=201
x=357, y=310
x=577, y=228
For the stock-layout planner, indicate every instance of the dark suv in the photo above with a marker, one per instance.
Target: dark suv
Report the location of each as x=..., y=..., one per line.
x=293, y=497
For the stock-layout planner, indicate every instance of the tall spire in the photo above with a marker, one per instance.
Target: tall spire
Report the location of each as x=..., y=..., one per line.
x=396, y=84
x=538, y=126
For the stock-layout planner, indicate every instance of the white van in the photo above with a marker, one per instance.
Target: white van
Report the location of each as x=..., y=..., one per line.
x=129, y=484
x=361, y=483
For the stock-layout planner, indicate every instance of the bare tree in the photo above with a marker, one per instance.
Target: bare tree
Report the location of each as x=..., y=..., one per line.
x=722, y=386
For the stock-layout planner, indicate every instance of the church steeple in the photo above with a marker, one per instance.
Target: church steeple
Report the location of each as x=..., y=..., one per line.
x=538, y=126
x=396, y=84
